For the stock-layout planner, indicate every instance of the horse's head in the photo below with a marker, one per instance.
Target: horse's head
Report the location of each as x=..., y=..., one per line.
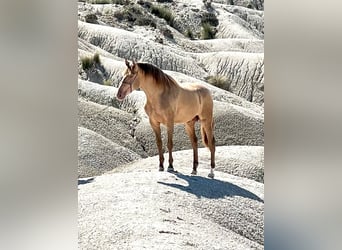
x=130, y=80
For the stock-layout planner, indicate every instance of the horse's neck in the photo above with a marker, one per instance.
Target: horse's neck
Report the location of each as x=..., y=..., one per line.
x=151, y=88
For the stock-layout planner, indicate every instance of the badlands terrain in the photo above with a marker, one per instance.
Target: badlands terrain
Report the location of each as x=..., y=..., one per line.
x=124, y=201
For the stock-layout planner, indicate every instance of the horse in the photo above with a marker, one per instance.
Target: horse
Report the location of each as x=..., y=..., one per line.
x=168, y=103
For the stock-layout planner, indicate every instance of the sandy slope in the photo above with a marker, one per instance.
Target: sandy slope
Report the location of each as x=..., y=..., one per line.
x=141, y=208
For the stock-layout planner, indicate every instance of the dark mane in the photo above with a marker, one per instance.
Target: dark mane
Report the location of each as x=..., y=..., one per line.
x=157, y=74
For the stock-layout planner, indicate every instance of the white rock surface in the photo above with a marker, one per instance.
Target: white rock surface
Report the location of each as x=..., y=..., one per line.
x=140, y=208
x=98, y=154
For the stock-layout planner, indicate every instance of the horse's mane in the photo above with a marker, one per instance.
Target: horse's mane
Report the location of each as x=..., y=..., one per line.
x=159, y=76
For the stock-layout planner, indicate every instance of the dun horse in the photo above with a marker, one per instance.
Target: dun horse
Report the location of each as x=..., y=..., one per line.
x=169, y=103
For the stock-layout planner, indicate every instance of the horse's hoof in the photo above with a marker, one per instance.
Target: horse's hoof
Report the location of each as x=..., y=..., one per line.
x=170, y=169
x=161, y=169
x=211, y=175
x=194, y=172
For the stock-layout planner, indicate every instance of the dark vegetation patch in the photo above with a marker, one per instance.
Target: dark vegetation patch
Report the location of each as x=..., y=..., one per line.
x=146, y=13
x=89, y=62
x=208, y=32
x=209, y=17
x=135, y=14
x=90, y=18
x=163, y=12
x=189, y=34
x=219, y=81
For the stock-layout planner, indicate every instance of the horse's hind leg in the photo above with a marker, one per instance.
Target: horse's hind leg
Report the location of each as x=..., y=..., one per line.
x=190, y=129
x=208, y=127
x=212, y=152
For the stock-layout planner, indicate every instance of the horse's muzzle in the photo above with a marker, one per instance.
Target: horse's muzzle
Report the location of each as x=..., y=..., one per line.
x=120, y=96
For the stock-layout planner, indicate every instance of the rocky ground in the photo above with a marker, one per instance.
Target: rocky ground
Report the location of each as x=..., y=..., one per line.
x=124, y=202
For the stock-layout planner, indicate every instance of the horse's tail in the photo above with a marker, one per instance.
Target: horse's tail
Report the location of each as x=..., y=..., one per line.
x=204, y=136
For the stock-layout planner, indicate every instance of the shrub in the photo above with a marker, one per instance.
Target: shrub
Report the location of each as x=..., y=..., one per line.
x=120, y=15
x=96, y=58
x=89, y=62
x=108, y=82
x=189, y=34
x=164, y=13
x=219, y=81
x=129, y=14
x=134, y=9
x=207, y=31
x=90, y=18
x=164, y=1
x=210, y=18
x=142, y=21
x=132, y=13
x=135, y=15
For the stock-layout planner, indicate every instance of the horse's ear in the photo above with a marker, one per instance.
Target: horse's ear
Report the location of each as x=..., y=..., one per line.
x=127, y=64
x=134, y=66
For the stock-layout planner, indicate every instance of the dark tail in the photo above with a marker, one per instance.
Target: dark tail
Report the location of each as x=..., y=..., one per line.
x=204, y=137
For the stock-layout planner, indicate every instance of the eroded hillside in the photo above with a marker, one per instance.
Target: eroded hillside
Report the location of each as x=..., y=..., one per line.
x=187, y=37
x=124, y=202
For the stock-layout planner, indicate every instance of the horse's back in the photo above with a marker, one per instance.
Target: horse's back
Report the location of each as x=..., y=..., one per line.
x=194, y=100
x=204, y=94
x=197, y=88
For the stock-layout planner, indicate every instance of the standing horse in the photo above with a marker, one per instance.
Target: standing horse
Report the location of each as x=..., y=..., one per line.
x=167, y=104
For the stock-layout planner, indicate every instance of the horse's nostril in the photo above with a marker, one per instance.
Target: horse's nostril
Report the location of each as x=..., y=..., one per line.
x=119, y=96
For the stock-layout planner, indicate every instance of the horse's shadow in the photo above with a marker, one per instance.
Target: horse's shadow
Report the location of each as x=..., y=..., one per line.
x=210, y=188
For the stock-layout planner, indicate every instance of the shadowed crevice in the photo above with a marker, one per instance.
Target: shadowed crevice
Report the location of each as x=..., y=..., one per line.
x=85, y=181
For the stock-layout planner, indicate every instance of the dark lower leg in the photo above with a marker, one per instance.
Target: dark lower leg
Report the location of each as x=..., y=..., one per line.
x=170, y=167
x=157, y=132
x=190, y=129
x=195, y=163
x=195, y=153
x=161, y=155
x=208, y=127
x=212, y=151
x=212, y=157
x=170, y=146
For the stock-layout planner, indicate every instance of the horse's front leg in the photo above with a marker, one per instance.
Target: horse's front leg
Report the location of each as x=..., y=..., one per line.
x=170, y=126
x=156, y=128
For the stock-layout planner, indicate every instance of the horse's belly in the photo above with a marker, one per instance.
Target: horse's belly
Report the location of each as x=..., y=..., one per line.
x=187, y=111
x=178, y=118
x=183, y=115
